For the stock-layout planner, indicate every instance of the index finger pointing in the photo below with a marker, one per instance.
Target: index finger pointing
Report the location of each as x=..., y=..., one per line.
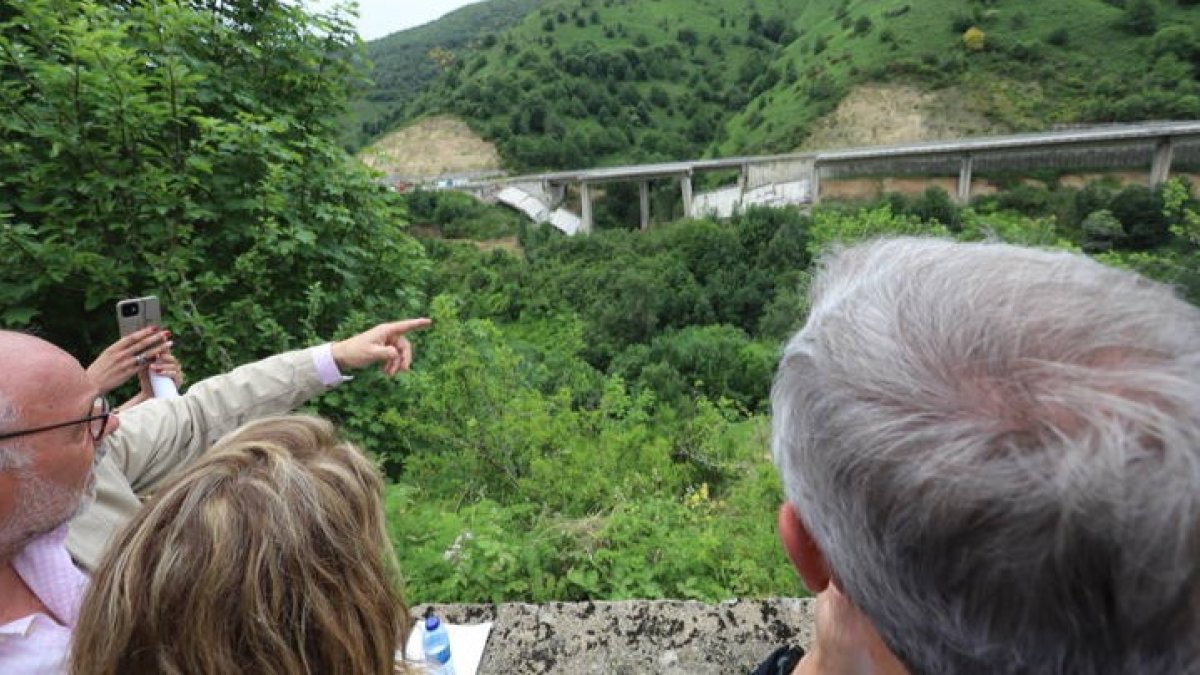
x=407, y=325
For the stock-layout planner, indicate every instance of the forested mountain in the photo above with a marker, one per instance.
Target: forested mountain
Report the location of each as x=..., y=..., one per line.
x=588, y=82
x=404, y=63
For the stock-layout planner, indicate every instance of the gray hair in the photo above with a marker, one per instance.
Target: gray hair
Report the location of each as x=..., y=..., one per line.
x=14, y=456
x=998, y=451
x=12, y=453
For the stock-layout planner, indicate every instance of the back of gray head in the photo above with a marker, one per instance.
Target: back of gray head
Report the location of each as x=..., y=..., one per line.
x=998, y=451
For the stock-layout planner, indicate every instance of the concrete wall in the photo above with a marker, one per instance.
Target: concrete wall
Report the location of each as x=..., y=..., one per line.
x=635, y=637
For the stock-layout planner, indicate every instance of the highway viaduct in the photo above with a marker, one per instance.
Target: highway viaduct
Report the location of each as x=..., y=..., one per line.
x=796, y=178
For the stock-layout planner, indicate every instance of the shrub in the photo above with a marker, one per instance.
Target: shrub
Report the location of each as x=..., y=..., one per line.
x=1101, y=231
x=1030, y=200
x=1140, y=211
x=1179, y=41
x=1095, y=196
x=711, y=361
x=1141, y=17
x=936, y=206
x=1059, y=37
x=974, y=39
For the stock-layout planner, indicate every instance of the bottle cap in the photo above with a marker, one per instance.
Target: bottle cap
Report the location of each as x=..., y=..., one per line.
x=431, y=622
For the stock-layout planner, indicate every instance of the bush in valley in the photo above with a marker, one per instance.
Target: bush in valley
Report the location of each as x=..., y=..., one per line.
x=1141, y=17
x=974, y=39
x=458, y=215
x=1059, y=37
x=1140, y=211
x=1025, y=198
x=1101, y=231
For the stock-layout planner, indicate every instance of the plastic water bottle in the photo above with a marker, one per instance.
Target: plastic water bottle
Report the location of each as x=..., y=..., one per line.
x=437, y=646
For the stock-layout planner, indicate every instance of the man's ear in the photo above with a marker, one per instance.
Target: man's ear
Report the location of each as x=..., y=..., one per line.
x=802, y=549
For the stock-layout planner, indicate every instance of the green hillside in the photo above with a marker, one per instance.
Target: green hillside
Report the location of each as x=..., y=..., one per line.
x=404, y=63
x=1039, y=64
x=592, y=82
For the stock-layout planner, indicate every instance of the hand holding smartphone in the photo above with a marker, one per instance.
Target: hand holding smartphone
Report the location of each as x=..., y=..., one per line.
x=133, y=314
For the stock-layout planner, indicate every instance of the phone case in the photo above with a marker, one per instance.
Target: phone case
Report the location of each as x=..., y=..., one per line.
x=136, y=313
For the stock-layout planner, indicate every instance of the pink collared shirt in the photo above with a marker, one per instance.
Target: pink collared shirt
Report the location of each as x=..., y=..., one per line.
x=39, y=643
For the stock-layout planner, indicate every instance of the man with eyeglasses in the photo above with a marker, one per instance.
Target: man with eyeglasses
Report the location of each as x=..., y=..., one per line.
x=55, y=429
x=51, y=424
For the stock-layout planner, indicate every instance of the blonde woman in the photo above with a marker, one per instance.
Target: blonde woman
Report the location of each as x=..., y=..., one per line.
x=268, y=556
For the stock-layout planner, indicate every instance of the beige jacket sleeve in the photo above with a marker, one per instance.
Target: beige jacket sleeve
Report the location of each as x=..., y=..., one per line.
x=161, y=435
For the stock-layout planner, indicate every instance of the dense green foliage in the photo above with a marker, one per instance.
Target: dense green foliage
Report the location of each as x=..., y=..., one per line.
x=457, y=215
x=188, y=150
x=589, y=419
x=591, y=82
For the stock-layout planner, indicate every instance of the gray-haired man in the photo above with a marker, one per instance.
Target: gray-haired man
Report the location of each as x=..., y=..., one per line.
x=992, y=458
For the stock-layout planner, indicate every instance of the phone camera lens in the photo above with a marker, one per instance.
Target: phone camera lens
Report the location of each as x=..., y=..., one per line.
x=129, y=310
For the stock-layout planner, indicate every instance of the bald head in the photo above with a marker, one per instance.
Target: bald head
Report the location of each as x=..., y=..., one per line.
x=33, y=366
x=43, y=475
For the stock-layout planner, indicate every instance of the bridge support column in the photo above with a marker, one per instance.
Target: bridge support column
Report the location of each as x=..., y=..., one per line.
x=1160, y=169
x=585, y=206
x=964, y=179
x=686, y=184
x=556, y=191
x=644, y=198
x=814, y=182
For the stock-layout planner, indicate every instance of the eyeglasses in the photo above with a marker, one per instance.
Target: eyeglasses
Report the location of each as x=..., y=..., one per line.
x=97, y=422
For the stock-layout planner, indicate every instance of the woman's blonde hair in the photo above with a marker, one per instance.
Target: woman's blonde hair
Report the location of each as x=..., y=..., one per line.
x=267, y=556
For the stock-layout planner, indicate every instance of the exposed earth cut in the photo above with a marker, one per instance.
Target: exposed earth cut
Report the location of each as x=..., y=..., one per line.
x=432, y=147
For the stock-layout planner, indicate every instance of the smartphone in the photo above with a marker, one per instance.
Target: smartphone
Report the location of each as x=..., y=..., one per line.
x=136, y=313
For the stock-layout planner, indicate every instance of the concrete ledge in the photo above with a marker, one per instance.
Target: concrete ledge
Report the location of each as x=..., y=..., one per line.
x=669, y=637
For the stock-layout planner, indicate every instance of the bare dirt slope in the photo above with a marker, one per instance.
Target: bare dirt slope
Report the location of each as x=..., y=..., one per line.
x=884, y=114
x=432, y=147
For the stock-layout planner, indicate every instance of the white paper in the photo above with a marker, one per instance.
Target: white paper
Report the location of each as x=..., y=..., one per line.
x=466, y=645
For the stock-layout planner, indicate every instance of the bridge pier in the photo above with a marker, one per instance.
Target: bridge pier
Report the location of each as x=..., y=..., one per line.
x=964, y=179
x=585, y=205
x=556, y=191
x=1160, y=168
x=686, y=184
x=644, y=198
